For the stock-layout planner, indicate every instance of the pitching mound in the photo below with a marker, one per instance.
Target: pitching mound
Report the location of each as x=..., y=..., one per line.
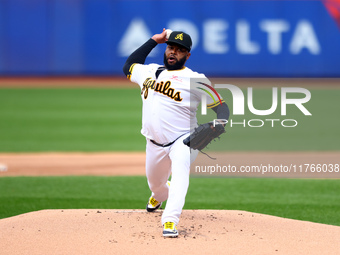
x=138, y=232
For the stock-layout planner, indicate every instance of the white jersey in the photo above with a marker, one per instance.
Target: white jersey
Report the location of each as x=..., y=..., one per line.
x=169, y=106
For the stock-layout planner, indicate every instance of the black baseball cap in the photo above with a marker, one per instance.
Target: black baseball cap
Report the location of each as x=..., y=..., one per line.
x=180, y=38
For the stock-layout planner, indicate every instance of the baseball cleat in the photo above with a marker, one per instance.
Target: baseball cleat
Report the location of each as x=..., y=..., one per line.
x=153, y=205
x=170, y=230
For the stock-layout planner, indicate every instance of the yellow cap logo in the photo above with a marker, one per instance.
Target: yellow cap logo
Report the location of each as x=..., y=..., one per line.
x=179, y=36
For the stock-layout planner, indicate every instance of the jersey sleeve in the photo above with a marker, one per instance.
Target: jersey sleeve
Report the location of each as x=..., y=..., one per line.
x=138, y=73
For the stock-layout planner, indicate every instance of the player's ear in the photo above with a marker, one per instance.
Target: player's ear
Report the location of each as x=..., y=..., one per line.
x=188, y=55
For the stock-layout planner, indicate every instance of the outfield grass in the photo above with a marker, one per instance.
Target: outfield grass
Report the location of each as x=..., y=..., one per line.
x=104, y=119
x=84, y=119
x=303, y=199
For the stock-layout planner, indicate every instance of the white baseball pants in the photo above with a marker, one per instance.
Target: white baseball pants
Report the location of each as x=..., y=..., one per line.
x=160, y=163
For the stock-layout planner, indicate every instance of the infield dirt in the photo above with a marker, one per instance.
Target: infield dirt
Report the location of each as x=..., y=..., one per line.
x=132, y=163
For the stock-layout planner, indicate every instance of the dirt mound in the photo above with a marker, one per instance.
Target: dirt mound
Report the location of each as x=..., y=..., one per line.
x=137, y=232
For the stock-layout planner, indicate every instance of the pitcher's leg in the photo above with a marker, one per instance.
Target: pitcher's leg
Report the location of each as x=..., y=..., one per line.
x=158, y=169
x=181, y=158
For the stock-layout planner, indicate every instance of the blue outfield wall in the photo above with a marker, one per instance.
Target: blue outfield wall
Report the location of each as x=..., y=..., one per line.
x=231, y=38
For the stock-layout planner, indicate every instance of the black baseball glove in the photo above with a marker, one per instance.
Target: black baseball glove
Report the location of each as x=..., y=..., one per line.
x=203, y=135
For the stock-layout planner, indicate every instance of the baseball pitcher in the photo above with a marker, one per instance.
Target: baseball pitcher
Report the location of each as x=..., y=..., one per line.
x=169, y=116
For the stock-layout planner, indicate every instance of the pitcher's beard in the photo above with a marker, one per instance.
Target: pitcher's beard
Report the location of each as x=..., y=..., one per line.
x=178, y=65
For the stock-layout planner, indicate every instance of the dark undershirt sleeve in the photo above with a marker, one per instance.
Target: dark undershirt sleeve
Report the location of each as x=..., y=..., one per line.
x=139, y=56
x=222, y=111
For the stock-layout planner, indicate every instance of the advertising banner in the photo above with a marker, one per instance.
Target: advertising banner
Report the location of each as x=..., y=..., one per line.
x=230, y=38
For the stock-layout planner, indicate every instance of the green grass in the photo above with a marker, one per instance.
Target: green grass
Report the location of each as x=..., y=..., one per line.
x=104, y=119
x=24, y=194
x=303, y=199
x=70, y=120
